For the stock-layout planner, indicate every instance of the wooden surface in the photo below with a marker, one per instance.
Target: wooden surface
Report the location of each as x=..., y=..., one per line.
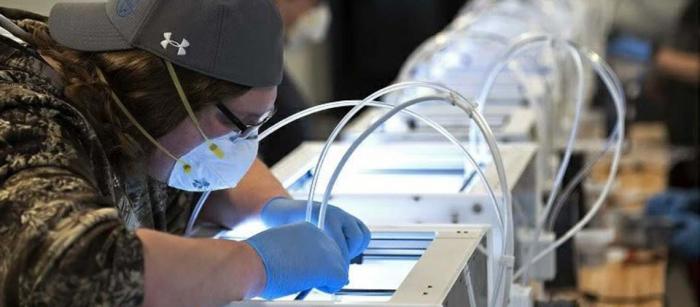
x=642, y=171
x=624, y=283
x=638, y=280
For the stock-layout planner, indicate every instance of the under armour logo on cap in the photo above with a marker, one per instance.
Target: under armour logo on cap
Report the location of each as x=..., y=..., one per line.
x=181, y=46
x=244, y=47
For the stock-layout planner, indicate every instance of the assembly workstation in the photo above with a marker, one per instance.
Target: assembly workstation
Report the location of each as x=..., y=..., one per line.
x=504, y=162
x=406, y=175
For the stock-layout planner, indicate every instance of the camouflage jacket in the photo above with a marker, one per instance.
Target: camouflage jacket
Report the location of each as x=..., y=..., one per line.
x=67, y=213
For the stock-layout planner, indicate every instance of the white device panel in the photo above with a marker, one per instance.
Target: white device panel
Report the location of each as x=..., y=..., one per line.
x=412, y=265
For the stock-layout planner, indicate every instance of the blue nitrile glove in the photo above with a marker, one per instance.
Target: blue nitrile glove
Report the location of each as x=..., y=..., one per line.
x=686, y=237
x=674, y=201
x=682, y=207
x=298, y=257
x=351, y=234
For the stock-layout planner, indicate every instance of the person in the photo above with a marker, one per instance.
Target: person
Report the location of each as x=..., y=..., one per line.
x=677, y=65
x=677, y=68
x=112, y=116
x=681, y=207
x=305, y=21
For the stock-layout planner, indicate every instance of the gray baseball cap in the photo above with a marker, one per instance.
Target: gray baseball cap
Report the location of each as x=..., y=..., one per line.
x=240, y=41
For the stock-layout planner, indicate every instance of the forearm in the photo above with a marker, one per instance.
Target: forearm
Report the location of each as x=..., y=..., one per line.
x=198, y=272
x=230, y=207
x=682, y=65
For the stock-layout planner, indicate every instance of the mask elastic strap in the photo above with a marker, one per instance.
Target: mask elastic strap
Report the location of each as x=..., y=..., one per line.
x=178, y=86
x=187, y=168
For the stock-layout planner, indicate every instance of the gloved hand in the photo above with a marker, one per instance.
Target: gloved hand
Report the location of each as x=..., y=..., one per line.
x=674, y=201
x=351, y=234
x=299, y=257
x=685, y=237
x=682, y=207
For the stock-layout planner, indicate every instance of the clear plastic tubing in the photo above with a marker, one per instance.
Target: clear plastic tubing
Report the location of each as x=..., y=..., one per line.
x=530, y=42
x=334, y=134
x=439, y=41
x=583, y=172
x=470, y=288
x=521, y=45
x=527, y=44
x=429, y=122
x=613, y=85
x=346, y=103
x=467, y=107
x=566, y=192
x=362, y=138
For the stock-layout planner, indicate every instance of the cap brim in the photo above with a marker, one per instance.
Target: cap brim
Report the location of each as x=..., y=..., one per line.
x=85, y=27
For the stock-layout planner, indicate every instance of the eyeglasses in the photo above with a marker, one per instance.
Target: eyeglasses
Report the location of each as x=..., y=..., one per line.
x=245, y=129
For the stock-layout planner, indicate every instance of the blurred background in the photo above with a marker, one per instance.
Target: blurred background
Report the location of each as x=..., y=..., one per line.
x=347, y=49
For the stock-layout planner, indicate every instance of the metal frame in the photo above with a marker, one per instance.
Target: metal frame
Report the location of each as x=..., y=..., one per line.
x=509, y=124
x=438, y=277
x=473, y=205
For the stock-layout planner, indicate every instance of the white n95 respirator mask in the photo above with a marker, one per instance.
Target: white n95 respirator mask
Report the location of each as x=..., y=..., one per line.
x=205, y=169
x=216, y=164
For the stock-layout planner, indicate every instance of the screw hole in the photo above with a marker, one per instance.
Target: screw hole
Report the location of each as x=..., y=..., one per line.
x=477, y=208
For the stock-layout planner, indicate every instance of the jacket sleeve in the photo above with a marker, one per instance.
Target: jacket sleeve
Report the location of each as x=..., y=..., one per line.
x=62, y=242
